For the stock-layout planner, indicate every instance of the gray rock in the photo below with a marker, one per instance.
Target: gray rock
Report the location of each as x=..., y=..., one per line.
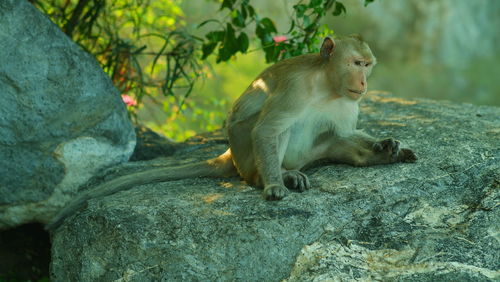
x=434, y=220
x=61, y=119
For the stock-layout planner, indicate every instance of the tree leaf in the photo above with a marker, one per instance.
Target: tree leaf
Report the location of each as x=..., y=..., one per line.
x=243, y=42
x=271, y=53
x=314, y=3
x=244, y=13
x=208, y=21
x=368, y=2
x=311, y=27
x=238, y=19
x=339, y=9
x=320, y=11
x=229, y=46
x=300, y=10
x=216, y=36
x=268, y=24
x=251, y=11
x=263, y=34
x=227, y=4
x=208, y=48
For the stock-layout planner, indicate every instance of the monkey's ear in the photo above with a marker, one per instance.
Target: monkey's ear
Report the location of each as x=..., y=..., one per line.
x=327, y=48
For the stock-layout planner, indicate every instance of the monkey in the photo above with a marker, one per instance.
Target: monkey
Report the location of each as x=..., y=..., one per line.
x=297, y=111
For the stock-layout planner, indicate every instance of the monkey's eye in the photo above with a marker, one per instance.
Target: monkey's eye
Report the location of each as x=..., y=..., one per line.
x=358, y=63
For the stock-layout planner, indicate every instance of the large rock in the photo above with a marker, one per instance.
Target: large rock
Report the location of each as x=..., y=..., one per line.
x=434, y=220
x=61, y=119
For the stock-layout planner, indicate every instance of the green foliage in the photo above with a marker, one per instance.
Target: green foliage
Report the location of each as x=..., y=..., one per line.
x=302, y=36
x=205, y=112
x=140, y=44
x=368, y=2
x=339, y=9
x=147, y=51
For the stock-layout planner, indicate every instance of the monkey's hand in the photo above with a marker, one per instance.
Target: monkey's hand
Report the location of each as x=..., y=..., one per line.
x=390, y=146
x=296, y=180
x=275, y=192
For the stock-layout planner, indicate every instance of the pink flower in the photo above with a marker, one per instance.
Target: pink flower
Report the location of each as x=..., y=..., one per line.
x=279, y=38
x=129, y=100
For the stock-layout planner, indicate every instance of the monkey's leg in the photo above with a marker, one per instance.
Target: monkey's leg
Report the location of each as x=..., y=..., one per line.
x=270, y=145
x=361, y=149
x=295, y=180
x=268, y=165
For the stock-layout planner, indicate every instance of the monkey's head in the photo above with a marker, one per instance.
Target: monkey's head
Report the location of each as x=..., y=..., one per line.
x=349, y=62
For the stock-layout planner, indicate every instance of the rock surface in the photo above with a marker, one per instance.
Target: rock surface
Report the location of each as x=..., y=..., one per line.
x=434, y=220
x=61, y=119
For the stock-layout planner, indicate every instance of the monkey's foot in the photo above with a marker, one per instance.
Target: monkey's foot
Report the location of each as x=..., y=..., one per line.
x=390, y=146
x=275, y=192
x=407, y=156
x=296, y=180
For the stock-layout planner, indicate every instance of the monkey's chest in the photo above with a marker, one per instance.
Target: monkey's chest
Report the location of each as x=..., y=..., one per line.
x=319, y=125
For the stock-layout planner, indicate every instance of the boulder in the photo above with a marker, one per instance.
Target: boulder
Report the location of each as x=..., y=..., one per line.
x=61, y=119
x=434, y=220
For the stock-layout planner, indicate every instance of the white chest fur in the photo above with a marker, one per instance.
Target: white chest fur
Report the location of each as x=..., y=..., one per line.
x=338, y=116
x=343, y=115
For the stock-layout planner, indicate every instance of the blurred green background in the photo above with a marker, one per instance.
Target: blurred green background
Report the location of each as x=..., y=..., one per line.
x=444, y=49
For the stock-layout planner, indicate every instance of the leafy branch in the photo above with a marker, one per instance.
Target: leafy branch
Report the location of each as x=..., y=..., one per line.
x=146, y=54
x=302, y=36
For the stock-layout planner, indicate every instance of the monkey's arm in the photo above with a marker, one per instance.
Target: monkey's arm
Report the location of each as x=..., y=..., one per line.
x=269, y=137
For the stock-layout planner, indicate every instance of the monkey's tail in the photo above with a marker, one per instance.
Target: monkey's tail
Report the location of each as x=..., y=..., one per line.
x=221, y=166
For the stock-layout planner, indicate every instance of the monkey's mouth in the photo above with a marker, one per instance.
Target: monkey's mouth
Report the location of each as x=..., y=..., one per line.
x=359, y=92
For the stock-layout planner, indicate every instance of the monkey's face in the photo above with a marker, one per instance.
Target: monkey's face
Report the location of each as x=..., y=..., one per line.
x=351, y=62
x=356, y=70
